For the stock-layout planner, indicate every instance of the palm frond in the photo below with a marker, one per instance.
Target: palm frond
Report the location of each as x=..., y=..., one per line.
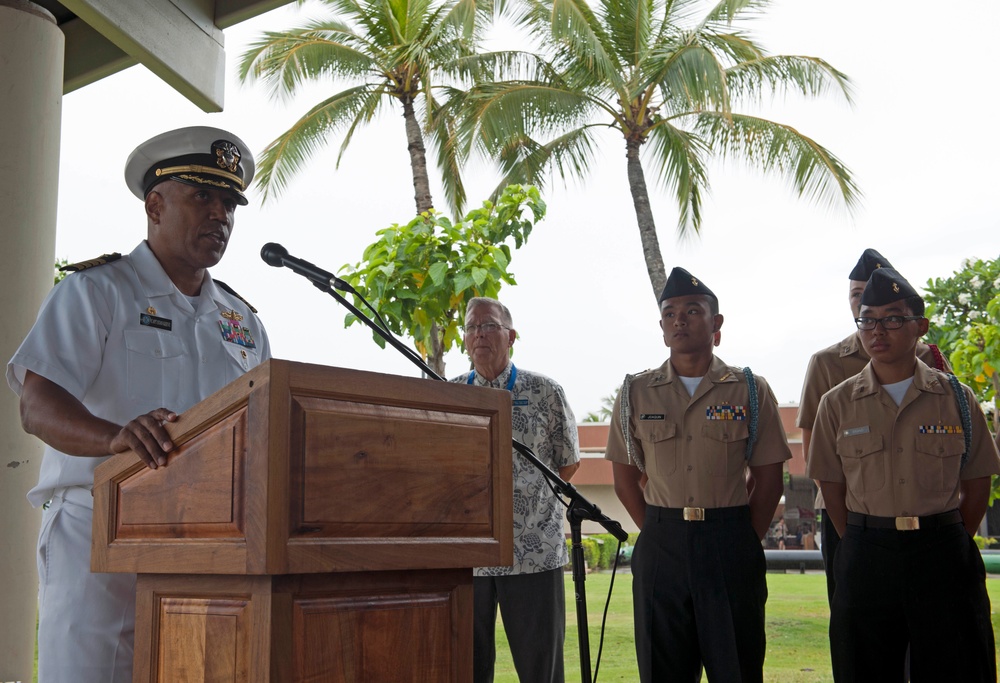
x=630, y=25
x=504, y=111
x=288, y=153
x=466, y=17
x=421, y=19
x=689, y=78
x=451, y=155
x=812, y=170
x=725, y=12
x=582, y=48
x=284, y=61
x=369, y=104
x=512, y=65
x=680, y=14
x=731, y=48
x=679, y=157
x=525, y=161
x=810, y=76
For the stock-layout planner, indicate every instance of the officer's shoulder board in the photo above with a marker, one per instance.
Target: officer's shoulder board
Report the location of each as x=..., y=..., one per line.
x=92, y=263
x=230, y=290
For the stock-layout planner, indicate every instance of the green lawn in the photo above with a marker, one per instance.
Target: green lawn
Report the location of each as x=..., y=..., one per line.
x=797, y=614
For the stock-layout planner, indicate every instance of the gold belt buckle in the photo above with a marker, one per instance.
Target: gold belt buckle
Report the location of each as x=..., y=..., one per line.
x=907, y=523
x=694, y=514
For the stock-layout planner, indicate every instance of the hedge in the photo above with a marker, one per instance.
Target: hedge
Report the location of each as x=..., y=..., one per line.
x=599, y=549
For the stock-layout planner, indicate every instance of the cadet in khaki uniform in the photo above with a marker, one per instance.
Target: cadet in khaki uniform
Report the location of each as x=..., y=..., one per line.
x=698, y=568
x=830, y=367
x=906, y=484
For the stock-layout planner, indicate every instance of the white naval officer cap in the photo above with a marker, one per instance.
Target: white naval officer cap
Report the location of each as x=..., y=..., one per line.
x=197, y=155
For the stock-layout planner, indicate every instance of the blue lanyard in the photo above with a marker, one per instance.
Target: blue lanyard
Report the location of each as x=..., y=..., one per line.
x=510, y=382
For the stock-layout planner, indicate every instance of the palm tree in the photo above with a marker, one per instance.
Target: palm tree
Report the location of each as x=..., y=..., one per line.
x=654, y=72
x=392, y=52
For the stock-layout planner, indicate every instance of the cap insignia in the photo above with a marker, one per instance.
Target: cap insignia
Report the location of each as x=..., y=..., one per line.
x=895, y=288
x=694, y=281
x=878, y=265
x=227, y=155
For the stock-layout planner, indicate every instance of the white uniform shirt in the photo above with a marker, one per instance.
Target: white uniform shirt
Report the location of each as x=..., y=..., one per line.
x=124, y=340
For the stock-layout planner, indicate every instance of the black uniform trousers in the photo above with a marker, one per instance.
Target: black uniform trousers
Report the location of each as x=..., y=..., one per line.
x=926, y=588
x=533, y=607
x=699, y=589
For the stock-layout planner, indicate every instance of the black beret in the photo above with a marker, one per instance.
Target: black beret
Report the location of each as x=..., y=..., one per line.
x=869, y=262
x=886, y=286
x=683, y=283
x=198, y=155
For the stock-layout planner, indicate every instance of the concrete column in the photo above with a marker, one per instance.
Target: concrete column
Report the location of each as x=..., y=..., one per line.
x=31, y=77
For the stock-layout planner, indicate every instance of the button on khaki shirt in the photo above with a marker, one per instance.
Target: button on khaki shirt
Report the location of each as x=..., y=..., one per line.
x=899, y=461
x=693, y=448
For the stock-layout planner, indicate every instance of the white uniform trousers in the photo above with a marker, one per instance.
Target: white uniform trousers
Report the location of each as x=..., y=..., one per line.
x=86, y=621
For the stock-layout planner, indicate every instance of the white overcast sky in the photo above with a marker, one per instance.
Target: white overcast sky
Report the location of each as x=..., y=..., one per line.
x=919, y=138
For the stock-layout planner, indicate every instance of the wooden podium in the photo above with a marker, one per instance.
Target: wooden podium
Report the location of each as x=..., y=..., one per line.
x=313, y=524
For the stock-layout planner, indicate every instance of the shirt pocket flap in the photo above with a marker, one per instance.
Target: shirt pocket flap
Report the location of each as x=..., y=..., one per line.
x=726, y=431
x=655, y=431
x=941, y=445
x=153, y=344
x=859, y=445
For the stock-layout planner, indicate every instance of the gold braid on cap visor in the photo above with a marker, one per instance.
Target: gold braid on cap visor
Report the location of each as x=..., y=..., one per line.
x=177, y=170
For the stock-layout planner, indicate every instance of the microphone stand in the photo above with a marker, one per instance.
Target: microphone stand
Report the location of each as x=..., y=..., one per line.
x=579, y=508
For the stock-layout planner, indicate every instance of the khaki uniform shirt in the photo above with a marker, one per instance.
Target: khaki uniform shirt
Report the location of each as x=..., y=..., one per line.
x=830, y=367
x=693, y=448
x=899, y=461
x=834, y=364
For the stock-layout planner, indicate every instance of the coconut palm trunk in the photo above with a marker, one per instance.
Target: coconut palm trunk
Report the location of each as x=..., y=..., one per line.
x=418, y=158
x=644, y=216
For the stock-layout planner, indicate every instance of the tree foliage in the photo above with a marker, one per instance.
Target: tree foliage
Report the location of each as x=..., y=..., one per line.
x=964, y=310
x=420, y=276
x=667, y=77
x=386, y=52
x=603, y=414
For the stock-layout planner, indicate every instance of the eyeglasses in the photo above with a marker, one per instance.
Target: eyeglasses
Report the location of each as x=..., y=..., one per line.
x=486, y=328
x=890, y=322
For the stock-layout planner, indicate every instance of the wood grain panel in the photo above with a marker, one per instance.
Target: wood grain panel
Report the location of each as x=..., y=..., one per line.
x=199, y=494
x=407, y=472
x=203, y=640
x=387, y=626
x=397, y=638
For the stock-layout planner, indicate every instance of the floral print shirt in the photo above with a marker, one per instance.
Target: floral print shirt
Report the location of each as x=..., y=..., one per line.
x=543, y=421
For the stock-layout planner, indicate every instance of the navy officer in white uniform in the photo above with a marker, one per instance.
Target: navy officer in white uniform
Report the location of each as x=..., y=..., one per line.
x=120, y=347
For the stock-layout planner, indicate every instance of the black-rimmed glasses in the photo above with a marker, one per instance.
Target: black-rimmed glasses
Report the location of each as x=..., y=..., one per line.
x=890, y=322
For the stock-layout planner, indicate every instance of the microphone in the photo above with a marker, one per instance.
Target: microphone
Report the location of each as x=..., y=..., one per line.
x=276, y=255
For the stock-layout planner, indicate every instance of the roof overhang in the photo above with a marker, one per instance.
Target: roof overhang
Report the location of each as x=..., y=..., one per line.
x=181, y=41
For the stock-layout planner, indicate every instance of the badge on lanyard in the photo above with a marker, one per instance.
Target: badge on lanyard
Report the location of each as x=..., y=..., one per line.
x=233, y=332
